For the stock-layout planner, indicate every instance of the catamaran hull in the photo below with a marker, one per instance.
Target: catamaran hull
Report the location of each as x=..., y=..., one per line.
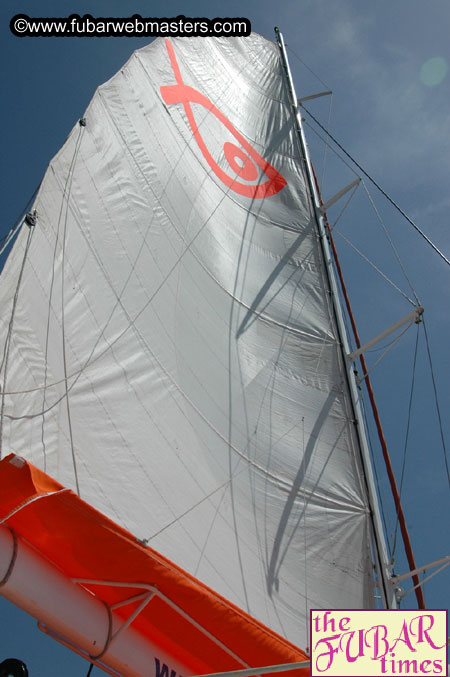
x=73, y=613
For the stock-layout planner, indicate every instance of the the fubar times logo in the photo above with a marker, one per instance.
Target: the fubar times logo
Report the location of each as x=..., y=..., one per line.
x=378, y=642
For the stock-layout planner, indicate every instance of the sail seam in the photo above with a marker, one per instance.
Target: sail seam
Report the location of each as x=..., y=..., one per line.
x=79, y=373
x=63, y=331
x=187, y=247
x=151, y=298
x=4, y=364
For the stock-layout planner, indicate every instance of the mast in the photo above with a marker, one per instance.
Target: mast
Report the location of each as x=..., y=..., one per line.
x=376, y=415
x=380, y=551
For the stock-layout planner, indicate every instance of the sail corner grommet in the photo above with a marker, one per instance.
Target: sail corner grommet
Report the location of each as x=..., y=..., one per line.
x=31, y=218
x=142, y=541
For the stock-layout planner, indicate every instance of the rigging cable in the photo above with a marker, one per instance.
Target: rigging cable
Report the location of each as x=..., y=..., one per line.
x=377, y=185
x=389, y=239
x=343, y=160
x=359, y=252
x=387, y=460
x=322, y=82
x=400, y=516
x=329, y=91
x=379, y=271
x=405, y=446
x=346, y=204
x=327, y=145
x=322, y=223
x=437, y=404
x=325, y=150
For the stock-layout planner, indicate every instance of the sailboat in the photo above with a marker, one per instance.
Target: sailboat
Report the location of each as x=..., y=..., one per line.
x=185, y=472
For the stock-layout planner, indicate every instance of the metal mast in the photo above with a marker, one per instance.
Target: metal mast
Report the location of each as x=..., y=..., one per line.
x=387, y=587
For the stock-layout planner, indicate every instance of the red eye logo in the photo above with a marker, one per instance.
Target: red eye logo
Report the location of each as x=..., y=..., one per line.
x=245, y=164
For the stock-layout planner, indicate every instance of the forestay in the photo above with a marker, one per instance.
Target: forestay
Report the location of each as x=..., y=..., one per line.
x=172, y=352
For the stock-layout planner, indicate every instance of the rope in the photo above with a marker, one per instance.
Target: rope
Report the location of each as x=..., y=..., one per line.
x=383, y=192
x=65, y=196
x=192, y=507
x=63, y=331
x=4, y=364
x=33, y=499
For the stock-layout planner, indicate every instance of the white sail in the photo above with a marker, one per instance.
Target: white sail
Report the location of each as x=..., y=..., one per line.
x=169, y=345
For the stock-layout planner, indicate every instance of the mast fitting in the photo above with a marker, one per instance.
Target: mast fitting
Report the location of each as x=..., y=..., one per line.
x=313, y=96
x=340, y=194
x=415, y=316
x=441, y=563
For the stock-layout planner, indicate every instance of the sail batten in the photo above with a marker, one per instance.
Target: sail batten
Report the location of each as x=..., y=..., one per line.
x=209, y=406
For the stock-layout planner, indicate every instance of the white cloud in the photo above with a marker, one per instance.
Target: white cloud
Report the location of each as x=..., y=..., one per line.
x=394, y=123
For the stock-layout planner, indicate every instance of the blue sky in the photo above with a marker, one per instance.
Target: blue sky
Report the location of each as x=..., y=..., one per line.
x=388, y=64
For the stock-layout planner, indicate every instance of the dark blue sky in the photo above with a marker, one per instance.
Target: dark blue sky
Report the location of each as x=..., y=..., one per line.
x=387, y=65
